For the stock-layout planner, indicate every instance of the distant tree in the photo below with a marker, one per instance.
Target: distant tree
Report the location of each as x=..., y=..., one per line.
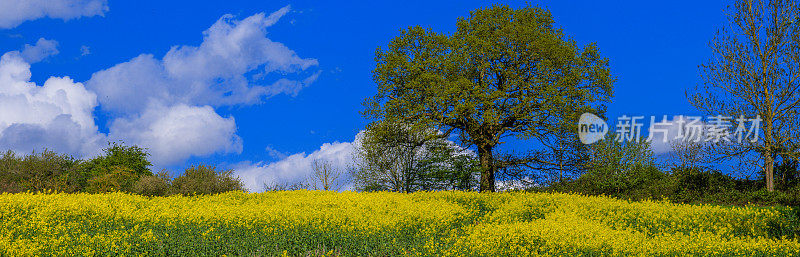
x=115, y=155
x=204, y=179
x=403, y=157
x=325, y=175
x=755, y=70
x=687, y=154
x=285, y=186
x=504, y=72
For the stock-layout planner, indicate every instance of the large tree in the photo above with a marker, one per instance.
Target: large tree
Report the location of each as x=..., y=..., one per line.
x=755, y=71
x=504, y=72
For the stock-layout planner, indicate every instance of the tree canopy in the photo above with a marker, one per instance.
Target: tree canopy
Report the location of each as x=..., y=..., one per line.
x=504, y=72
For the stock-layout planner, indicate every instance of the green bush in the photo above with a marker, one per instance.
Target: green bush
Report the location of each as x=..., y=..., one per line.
x=619, y=168
x=133, y=158
x=156, y=185
x=116, y=178
x=202, y=179
x=45, y=171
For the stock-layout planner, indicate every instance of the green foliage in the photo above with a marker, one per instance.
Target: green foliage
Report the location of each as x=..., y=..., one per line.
x=407, y=157
x=449, y=168
x=616, y=168
x=787, y=174
x=116, y=178
x=133, y=158
x=42, y=171
x=156, y=185
x=504, y=72
x=202, y=179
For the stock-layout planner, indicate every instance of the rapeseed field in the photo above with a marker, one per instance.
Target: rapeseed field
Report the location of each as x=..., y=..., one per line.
x=323, y=223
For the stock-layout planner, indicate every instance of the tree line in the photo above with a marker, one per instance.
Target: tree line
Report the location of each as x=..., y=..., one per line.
x=119, y=168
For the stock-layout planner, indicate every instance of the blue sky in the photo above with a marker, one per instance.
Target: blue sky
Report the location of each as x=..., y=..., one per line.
x=293, y=88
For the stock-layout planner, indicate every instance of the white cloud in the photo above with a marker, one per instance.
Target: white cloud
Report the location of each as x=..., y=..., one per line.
x=294, y=168
x=56, y=115
x=42, y=49
x=15, y=12
x=157, y=102
x=129, y=87
x=165, y=105
x=233, y=58
x=274, y=153
x=173, y=134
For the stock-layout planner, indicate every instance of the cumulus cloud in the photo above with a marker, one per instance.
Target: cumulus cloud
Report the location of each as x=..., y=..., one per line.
x=227, y=68
x=294, y=168
x=42, y=49
x=173, y=134
x=167, y=104
x=163, y=104
x=15, y=12
x=56, y=115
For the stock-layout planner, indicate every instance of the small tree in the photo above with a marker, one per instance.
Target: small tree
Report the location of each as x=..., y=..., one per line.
x=203, y=179
x=133, y=158
x=755, y=71
x=404, y=157
x=615, y=167
x=325, y=176
x=688, y=155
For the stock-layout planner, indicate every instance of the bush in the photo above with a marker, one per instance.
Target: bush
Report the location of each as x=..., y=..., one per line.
x=133, y=158
x=694, y=183
x=204, y=179
x=38, y=172
x=156, y=185
x=116, y=178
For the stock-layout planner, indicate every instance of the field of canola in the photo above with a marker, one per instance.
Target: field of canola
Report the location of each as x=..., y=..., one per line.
x=317, y=223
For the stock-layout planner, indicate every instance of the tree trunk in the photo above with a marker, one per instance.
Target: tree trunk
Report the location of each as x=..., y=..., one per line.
x=769, y=165
x=488, y=168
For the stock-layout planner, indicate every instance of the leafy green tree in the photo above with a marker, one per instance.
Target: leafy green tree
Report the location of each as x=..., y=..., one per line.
x=116, y=155
x=404, y=157
x=504, y=72
x=449, y=167
x=615, y=167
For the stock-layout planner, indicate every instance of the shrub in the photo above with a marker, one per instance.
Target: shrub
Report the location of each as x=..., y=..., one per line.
x=38, y=172
x=156, y=185
x=133, y=158
x=116, y=178
x=694, y=183
x=619, y=168
x=204, y=179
